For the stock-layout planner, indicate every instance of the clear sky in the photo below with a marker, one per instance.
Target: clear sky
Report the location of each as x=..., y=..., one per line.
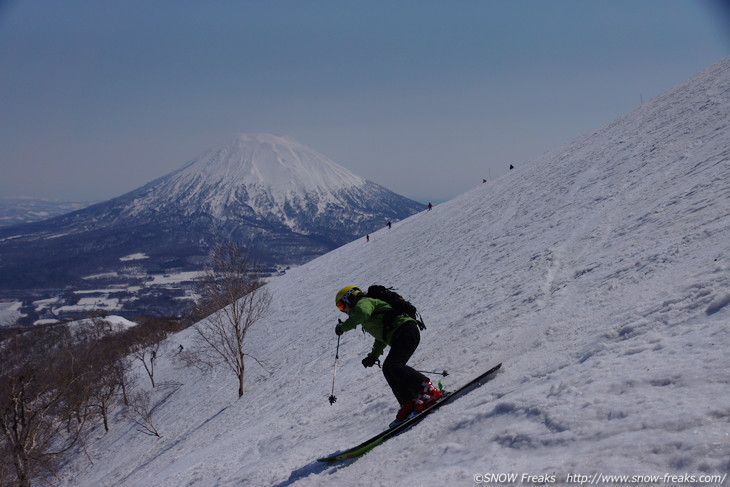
x=426, y=97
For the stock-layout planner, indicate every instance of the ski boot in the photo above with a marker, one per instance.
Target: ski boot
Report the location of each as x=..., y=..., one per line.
x=404, y=413
x=429, y=395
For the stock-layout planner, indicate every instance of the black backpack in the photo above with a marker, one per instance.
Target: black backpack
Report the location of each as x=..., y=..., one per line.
x=399, y=304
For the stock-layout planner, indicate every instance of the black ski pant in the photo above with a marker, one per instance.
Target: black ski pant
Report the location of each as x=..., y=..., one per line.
x=405, y=381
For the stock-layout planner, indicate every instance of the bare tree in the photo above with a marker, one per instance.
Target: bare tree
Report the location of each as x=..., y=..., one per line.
x=127, y=383
x=140, y=412
x=148, y=356
x=106, y=380
x=146, y=340
x=56, y=380
x=40, y=417
x=233, y=300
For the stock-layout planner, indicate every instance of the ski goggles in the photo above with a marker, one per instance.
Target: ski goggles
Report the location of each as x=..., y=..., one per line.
x=341, y=305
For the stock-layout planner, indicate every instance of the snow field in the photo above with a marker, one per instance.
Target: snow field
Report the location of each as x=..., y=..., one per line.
x=598, y=274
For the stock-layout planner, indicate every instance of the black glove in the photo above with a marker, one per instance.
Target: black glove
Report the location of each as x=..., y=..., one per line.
x=338, y=329
x=369, y=361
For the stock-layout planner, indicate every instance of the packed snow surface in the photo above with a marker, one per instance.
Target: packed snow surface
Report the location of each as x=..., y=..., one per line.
x=597, y=274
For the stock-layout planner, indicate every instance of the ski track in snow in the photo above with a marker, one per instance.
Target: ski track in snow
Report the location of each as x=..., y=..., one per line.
x=598, y=274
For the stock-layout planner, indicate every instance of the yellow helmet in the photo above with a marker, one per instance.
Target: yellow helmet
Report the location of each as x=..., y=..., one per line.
x=344, y=295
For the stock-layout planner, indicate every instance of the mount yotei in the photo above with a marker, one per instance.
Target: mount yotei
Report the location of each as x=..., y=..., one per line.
x=287, y=202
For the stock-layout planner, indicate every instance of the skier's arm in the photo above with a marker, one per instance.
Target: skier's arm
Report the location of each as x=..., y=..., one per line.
x=378, y=348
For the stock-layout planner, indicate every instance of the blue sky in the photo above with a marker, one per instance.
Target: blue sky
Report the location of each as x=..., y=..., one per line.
x=424, y=97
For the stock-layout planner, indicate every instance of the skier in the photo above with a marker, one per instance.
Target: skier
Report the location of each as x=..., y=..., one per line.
x=413, y=390
x=429, y=206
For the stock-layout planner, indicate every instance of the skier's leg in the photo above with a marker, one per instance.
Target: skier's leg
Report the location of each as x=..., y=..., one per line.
x=402, y=379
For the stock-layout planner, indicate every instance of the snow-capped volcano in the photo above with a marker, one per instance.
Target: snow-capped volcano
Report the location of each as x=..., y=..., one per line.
x=278, y=167
x=279, y=180
x=287, y=201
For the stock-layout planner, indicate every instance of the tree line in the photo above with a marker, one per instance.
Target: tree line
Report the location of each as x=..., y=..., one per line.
x=59, y=382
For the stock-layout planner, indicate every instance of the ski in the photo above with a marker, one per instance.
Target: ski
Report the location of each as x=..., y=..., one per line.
x=376, y=440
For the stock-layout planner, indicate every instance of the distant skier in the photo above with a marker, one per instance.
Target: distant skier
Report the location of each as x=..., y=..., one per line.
x=389, y=224
x=430, y=206
x=367, y=237
x=413, y=390
x=511, y=167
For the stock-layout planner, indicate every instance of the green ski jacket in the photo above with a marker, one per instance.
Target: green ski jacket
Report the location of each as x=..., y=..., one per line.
x=369, y=312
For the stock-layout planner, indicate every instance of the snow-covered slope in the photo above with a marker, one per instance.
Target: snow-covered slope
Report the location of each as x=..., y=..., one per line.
x=598, y=274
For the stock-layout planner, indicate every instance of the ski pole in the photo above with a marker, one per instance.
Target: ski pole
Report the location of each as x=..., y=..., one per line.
x=333, y=398
x=444, y=373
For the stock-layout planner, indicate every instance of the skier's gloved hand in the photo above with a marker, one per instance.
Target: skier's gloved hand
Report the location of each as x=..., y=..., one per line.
x=338, y=328
x=369, y=361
